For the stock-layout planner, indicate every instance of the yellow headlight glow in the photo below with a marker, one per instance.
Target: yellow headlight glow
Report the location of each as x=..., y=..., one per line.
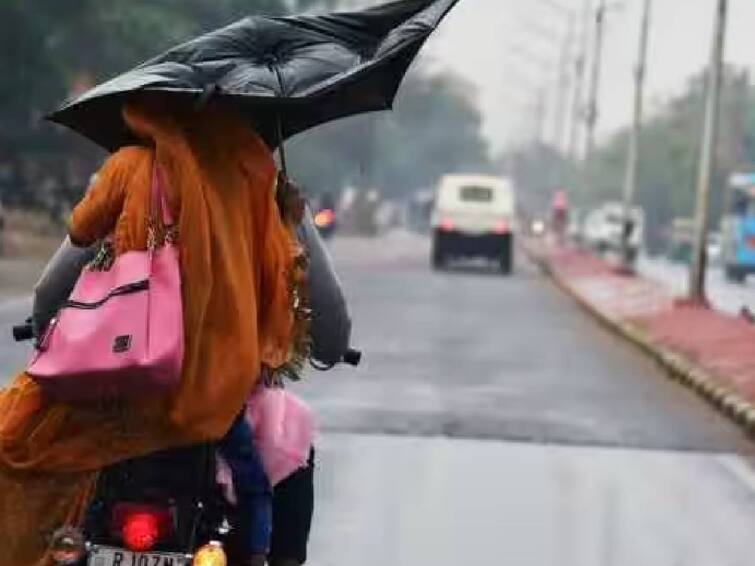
x=211, y=554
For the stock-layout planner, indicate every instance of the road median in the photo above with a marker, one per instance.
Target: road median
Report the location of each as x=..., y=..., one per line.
x=711, y=352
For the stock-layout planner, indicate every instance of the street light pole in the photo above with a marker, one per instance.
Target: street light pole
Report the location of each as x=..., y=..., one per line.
x=579, y=77
x=632, y=170
x=562, y=86
x=563, y=46
x=707, y=157
x=592, y=105
x=539, y=109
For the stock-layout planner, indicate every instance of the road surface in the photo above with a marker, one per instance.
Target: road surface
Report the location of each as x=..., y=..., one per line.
x=494, y=422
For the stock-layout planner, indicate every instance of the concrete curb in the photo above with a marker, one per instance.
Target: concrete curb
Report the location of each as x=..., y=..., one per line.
x=678, y=367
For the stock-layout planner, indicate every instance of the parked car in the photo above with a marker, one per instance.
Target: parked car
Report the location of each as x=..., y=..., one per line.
x=604, y=229
x=473, y=216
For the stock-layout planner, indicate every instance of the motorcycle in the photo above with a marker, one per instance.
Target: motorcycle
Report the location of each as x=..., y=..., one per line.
x=164, y=509
x=325, y=220
x=325, y=217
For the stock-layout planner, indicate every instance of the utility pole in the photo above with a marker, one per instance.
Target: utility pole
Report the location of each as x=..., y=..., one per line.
x=633, y=161
x=707, y=157
x=563, y=46
x=592, y=106
x=562, y=87
x=527, y=56
x=539, y=110
x=579, y=78
x=558, y=61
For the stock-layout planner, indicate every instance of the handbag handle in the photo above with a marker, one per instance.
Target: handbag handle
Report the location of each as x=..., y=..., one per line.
x=159, y=202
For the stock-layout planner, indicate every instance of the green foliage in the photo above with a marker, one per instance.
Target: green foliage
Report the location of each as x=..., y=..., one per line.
x=434, y=129
x=49, y=47
x=669, y=152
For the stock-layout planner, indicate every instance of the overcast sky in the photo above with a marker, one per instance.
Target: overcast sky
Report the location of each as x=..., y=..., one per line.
x=476, y=37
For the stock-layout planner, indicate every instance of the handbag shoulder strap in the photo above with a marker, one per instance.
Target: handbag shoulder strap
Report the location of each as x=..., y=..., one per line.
x=159, y=204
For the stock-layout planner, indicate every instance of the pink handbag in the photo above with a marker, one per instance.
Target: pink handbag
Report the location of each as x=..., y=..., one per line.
x=283, y=427
x=120, y=334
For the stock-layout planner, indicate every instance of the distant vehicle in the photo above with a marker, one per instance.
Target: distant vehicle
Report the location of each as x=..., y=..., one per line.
x=537, y=227
x=738, y=229
x=325, y=215
x=473, y=216
x=604, y=228
x=325, y=221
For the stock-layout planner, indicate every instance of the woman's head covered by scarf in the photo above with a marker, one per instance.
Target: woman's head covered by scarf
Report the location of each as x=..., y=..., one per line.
x=198, y=149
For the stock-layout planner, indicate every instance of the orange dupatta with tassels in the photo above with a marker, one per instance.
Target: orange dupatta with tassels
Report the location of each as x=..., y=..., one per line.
x=237, y=258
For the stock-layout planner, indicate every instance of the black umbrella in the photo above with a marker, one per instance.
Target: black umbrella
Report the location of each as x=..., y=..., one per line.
x=286, y=74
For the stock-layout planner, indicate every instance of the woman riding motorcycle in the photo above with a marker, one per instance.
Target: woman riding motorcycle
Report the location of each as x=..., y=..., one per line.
x=238, y=261
x=330, y=330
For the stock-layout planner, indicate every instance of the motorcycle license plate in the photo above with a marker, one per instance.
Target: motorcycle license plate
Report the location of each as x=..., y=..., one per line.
x=105, y=556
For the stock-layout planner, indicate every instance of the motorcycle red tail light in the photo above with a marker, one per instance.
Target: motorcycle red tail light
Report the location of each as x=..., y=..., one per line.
x=141, y=526
x=447, y=225
x=325, y=218
x=141, y=531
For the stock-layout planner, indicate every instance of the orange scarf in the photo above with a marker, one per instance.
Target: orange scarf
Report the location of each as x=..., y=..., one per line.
x=237, y=261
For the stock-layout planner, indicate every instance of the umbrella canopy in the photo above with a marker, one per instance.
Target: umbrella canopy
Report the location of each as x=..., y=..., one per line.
x=285, y=74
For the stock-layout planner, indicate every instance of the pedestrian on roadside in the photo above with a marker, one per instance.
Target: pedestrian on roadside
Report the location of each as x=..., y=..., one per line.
x=560, y=216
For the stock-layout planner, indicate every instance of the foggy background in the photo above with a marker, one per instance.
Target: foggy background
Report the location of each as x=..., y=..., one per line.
x=485, y=95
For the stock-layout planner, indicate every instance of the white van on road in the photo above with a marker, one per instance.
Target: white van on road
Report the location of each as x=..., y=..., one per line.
x=473, y=216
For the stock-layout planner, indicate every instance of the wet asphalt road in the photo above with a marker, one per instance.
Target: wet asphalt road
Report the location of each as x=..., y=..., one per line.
x=494, y=422
x=592, y=457
x=407, y=501
x=13, y=310
x=467, y=353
